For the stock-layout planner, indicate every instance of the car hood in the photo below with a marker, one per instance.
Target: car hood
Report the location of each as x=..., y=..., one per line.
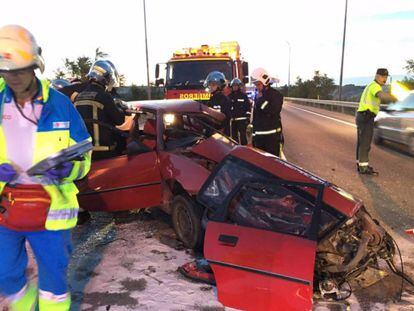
x=214, y=148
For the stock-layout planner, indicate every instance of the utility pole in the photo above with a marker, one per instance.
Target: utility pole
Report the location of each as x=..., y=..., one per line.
x=146, y=53
x=343, y=52
x=288, y=70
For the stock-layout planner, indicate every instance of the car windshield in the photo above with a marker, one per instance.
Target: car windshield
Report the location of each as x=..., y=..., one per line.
x=193, y=73
x=184, y=130
x=406, y=104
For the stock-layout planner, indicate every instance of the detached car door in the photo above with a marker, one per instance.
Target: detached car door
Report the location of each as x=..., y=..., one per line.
x=261, y=245
x=125, y=182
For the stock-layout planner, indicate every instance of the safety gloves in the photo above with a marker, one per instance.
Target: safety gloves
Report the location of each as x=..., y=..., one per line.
x=60, y=172
x=7, y=173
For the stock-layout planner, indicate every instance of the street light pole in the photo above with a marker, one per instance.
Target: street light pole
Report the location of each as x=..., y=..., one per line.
x=288, y=70
x=343, y=52
x=146, y=53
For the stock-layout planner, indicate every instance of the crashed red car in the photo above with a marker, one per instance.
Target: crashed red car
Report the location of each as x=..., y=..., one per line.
x=273, y=233
x=171, y=149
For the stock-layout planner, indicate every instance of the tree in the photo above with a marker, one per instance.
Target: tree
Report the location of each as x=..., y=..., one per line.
x=59, y=74
x=100, y=54
x=410, y=66
x=77, y=68
x=122, y=80
x=408, y=80
x=320, y=87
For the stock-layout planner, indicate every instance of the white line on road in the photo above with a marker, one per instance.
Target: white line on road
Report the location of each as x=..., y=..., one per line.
x=323, y=116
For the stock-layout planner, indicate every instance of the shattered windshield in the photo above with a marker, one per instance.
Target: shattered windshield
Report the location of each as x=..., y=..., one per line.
x=193, y=73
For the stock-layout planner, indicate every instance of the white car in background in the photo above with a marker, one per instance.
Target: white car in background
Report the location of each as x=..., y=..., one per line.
x=396, y=123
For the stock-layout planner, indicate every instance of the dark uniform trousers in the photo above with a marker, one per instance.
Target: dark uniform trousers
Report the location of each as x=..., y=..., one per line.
x=271, y=143
x=238, y=130
x=365, y=128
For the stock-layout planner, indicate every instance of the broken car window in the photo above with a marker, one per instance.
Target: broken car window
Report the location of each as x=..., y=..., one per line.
x=271, y=207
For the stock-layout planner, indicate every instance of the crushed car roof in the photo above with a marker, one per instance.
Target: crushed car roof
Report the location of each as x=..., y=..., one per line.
x=179, y=106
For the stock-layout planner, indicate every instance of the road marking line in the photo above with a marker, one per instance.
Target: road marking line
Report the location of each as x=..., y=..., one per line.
x=323, y=116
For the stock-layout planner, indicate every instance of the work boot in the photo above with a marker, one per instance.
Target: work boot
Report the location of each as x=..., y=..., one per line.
x=367, y=170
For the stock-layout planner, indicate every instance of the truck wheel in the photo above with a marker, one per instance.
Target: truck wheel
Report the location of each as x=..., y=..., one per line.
x=186, y=219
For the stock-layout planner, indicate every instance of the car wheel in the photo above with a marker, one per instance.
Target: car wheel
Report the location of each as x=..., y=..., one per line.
x=411, y=145
x=186, y=218
x=377, y=138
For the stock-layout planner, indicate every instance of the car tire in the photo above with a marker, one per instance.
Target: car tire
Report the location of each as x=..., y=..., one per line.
x=186, y=219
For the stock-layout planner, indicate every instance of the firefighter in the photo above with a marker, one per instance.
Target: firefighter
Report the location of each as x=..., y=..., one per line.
x=58, y=84
x=215, y=84
x=76, y=86
x=99, y=111
x=39, y=210
x=240, y=111
x=267, y=125
x=369, y=106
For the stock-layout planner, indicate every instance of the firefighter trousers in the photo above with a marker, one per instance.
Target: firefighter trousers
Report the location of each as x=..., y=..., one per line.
x=52, y=250
x=271, y=143
x=365, y=130
x=238, y=131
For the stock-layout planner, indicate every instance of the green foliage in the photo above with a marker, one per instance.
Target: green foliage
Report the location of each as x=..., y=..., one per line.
x=140, y=93
x=409, y=80
x=410, y=66
x=320, y=87
x=99, y=54
x=79, y=67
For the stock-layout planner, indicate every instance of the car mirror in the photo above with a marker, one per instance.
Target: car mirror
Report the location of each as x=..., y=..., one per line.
x=136, y=147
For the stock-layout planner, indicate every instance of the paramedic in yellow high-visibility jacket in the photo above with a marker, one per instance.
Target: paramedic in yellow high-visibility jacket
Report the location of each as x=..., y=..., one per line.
x=36, y=122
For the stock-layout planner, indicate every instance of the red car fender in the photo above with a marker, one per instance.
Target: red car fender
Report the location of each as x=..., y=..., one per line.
x=188, y=173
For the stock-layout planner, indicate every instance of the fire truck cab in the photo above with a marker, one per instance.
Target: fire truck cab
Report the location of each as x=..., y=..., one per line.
x=186, y=70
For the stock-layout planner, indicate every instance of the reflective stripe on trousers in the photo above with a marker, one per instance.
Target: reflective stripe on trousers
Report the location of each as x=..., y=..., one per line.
x=267, y=132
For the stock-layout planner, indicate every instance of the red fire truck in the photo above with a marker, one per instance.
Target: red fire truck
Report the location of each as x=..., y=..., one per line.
x=186, y=71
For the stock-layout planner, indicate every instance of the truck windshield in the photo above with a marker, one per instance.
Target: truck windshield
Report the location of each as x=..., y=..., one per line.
x=185, y=74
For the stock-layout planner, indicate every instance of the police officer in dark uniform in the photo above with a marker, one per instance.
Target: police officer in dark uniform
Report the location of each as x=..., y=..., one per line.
x=215, y=83
x=267, y=125
x=99, y=111
x=240, y=111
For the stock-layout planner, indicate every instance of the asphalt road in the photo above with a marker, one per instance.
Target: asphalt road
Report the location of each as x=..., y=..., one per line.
x=323, y=142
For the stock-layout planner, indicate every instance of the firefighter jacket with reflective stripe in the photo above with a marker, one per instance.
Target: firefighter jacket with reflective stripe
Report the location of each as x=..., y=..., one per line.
x=240, y=106
x=266, y=111
x=59, y=127
x=95, y=104
x=369, y=100
x=73, y=90
x=220, y=102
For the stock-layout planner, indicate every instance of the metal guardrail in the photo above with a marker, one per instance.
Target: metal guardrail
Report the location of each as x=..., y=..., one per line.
x=332, y=105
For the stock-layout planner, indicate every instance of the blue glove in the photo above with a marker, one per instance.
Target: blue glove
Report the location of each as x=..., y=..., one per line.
x=7, y=172
x=60, y=172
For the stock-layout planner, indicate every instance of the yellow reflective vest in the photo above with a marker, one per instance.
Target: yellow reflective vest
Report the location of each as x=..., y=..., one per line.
x=369, y=100
x=59, y=127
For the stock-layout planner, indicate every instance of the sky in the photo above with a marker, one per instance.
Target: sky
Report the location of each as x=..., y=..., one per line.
x=379, y=33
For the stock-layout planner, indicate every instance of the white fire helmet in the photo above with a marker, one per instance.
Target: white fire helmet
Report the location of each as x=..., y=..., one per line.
x=261, y=75
x=18, y=49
